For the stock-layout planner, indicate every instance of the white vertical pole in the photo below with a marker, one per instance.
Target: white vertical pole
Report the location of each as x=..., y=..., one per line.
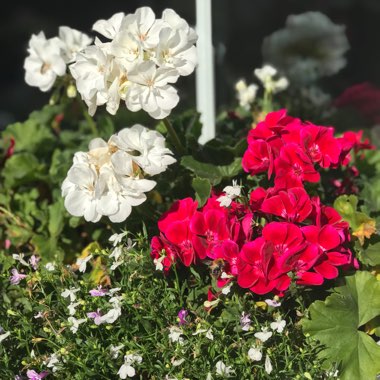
x=205, y=91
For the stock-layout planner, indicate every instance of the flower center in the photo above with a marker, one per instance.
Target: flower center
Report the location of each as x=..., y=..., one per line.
x=45, y=67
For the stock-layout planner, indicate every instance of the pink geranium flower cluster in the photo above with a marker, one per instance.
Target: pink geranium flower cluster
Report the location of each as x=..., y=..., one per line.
x=279, y=234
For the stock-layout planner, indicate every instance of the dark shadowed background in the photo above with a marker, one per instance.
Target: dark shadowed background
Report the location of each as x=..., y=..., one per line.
x=239, y=27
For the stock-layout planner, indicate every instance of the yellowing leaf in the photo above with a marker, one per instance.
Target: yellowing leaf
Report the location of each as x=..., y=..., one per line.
x=365, y=230
x=262, y=305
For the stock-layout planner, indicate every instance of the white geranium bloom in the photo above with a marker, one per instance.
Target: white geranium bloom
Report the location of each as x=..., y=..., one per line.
x=223, y=370
x=83, y=198
x=75, y=323
x=263, y=335
x=73, y=42
x=310, y=46
x=93, y=71
x=175, y=51
x=82, y=262
x=146, y=146
x=45, y=62
x=278, y=325
x=109, y=28
x=70, y=293
x=255, y=354
x=143, y=26
x=150, y=90
x=268, y=365
x=266, y=76
x=245, y=94
x=178, y=23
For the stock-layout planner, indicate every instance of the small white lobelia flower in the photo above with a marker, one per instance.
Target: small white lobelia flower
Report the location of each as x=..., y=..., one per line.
x=273, y=303
x=150, y=91
x=70, y=293
x=278, y=325
x=115, y=350
x=20, y=258
x=266, y=76
x=75, y=323
x=245, y=94
x=52, y=362
x=45, y=62
x=209, y=335
x=263, y=335
x=72, y=307
x=127, y=370
x=82, y=262
x=268, y=365
x=231, y=192
x=255, y=354
x=116, y=239
x=74, y=41
x=223, y=370
x=175, y=334
x=227, y=289
x=146, y=146
x=158, y=263
x=111, y=316
x=4, y=336
x=50, y=267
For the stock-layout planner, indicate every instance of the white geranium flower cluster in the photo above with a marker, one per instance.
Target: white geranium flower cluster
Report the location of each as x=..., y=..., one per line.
x=109, y=179
x=142, y=57
x=48, y=58
x=309, y=47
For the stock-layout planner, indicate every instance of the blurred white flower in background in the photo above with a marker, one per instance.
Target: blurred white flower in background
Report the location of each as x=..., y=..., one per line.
x=245, y=94
x=108, y=180
x=266, y=76
x=309, y=47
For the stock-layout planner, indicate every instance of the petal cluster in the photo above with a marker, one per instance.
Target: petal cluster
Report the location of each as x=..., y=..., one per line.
x=277, y=235
x=48, y=58
x=109, y=179
x=142, y=57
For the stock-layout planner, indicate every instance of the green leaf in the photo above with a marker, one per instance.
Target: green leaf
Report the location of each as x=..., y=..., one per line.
x=371, y=255
x=346, y=206
x=56, y=212
x=370, y=194
x=21, y=168
x=30, y=136
x=202, y=187
x=213, y=173
x=335, y=322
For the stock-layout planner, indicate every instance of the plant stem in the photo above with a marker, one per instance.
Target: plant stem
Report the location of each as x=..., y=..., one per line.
x=91, y=122
x=174, y=137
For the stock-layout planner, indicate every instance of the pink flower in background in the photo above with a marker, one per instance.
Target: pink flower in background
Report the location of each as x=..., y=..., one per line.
x=33, y=375
x=16, y=277
x=96, y=316
x=182, y=314
x=98, y=292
